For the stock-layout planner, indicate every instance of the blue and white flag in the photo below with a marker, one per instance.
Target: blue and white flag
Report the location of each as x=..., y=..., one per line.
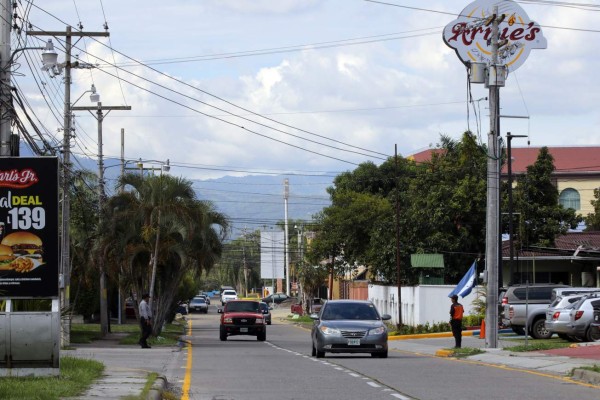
x=467, y=283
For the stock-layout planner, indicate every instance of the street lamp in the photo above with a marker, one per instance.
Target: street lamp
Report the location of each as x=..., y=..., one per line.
x=94, y=97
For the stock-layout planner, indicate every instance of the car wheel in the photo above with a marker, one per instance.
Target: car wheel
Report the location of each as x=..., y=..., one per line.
x=313, y=351
x=539, y=331
x=223, y=335
x=319, y=354
x=593, y=334
x=269, y=322
x=519, y=330
x=261, y=336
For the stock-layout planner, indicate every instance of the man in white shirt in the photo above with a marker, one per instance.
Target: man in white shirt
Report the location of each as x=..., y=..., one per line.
x=145, y=321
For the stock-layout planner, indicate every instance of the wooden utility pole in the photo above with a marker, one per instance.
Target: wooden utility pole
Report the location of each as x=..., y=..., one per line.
x=65, y=264
x=104, y=320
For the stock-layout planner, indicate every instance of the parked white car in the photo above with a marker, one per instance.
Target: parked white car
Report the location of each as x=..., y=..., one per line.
x=582, y=316
x=558, y=316
x=228, y=295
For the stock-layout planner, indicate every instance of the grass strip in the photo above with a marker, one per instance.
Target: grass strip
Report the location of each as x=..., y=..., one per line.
x=76, y=375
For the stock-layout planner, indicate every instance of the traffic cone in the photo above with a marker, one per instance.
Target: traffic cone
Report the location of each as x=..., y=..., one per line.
x=482, y=330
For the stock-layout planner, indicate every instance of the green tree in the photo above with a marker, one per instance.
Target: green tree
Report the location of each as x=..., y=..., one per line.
x=592, y=220
x=159, y=231
x=536, y=199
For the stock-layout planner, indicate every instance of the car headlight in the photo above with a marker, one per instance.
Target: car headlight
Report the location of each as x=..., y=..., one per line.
x=329, y=331
x=377, y=331
x=228, y=321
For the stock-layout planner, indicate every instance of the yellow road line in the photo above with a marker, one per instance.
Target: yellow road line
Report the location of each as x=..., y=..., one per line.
x=187, y=381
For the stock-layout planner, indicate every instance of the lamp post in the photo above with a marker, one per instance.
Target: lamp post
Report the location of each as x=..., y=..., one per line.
x=509, y=138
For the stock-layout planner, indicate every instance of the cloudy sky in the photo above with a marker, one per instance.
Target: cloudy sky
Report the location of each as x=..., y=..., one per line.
x=233, y=87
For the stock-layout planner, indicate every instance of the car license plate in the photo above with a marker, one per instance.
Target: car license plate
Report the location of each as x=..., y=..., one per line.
x=243, y=329
x=353, y=342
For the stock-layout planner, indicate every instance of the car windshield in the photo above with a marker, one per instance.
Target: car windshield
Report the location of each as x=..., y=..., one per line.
x=356, y=311
x=243, y=306
x=198, y=300
x=229, y=292
x=264, y=307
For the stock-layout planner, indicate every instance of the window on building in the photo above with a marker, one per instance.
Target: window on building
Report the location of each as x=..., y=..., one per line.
x=569, y=198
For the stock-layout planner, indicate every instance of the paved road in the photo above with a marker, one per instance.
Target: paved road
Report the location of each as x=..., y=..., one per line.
x=282, y=368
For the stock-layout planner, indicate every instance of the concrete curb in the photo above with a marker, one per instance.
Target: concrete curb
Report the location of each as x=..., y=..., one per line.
x=444, y=353
x=587, y=376
x=158, y=387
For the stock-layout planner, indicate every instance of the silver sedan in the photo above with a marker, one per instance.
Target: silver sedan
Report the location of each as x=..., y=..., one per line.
x=349, y=326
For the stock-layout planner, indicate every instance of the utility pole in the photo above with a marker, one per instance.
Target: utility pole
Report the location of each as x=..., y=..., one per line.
x=399, y=283
x=65, y=265
x=101, y=198
x=5, y=95
x=286, y=195
x=493, y=189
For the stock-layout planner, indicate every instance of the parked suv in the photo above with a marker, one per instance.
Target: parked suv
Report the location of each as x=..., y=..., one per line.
x=526, y=306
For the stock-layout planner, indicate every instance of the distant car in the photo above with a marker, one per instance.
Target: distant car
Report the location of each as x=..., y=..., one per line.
x=266, y=310
x=242, y=317
x=198, y=304
x=205, y=297
x=227, y=295
x=279, y=298
x=349, y=326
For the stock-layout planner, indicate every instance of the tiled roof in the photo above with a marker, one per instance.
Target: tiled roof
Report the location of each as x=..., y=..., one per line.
x=569, y=160
x=565, y=245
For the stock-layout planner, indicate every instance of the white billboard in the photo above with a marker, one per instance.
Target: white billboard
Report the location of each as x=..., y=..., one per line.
x=272, y=255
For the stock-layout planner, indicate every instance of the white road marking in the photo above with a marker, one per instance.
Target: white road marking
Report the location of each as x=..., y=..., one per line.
x=373, y=384
x=399, y=396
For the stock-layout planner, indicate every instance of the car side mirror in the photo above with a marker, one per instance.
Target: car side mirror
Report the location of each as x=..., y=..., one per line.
x=386, y=317
x=220, y=311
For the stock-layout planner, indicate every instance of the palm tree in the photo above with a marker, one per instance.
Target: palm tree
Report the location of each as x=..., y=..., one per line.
x=160, y=224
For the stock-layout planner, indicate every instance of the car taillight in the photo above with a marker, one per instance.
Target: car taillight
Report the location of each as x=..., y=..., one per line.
x=556, y=315
x=504, y=301
x=578, y=315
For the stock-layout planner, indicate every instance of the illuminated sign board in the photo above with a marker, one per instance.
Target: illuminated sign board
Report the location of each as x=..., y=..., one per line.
x=28, y=227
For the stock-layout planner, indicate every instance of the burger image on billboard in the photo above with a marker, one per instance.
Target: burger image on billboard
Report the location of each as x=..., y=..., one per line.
x=24, y=244
x=6, y=257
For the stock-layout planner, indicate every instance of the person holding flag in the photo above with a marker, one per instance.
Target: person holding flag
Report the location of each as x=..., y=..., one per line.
x=456, y=316
x=464, y=287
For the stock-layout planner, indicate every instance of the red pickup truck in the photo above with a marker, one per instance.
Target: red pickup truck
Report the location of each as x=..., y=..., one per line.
x=242, y=317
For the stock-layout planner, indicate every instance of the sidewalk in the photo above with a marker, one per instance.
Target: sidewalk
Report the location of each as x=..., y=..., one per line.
x=127, y=367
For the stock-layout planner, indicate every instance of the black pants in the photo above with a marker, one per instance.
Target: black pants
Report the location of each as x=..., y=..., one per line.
x=456, y=325
x=146, y=331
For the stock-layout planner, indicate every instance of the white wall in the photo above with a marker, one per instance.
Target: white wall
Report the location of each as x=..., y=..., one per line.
x=420, y=304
